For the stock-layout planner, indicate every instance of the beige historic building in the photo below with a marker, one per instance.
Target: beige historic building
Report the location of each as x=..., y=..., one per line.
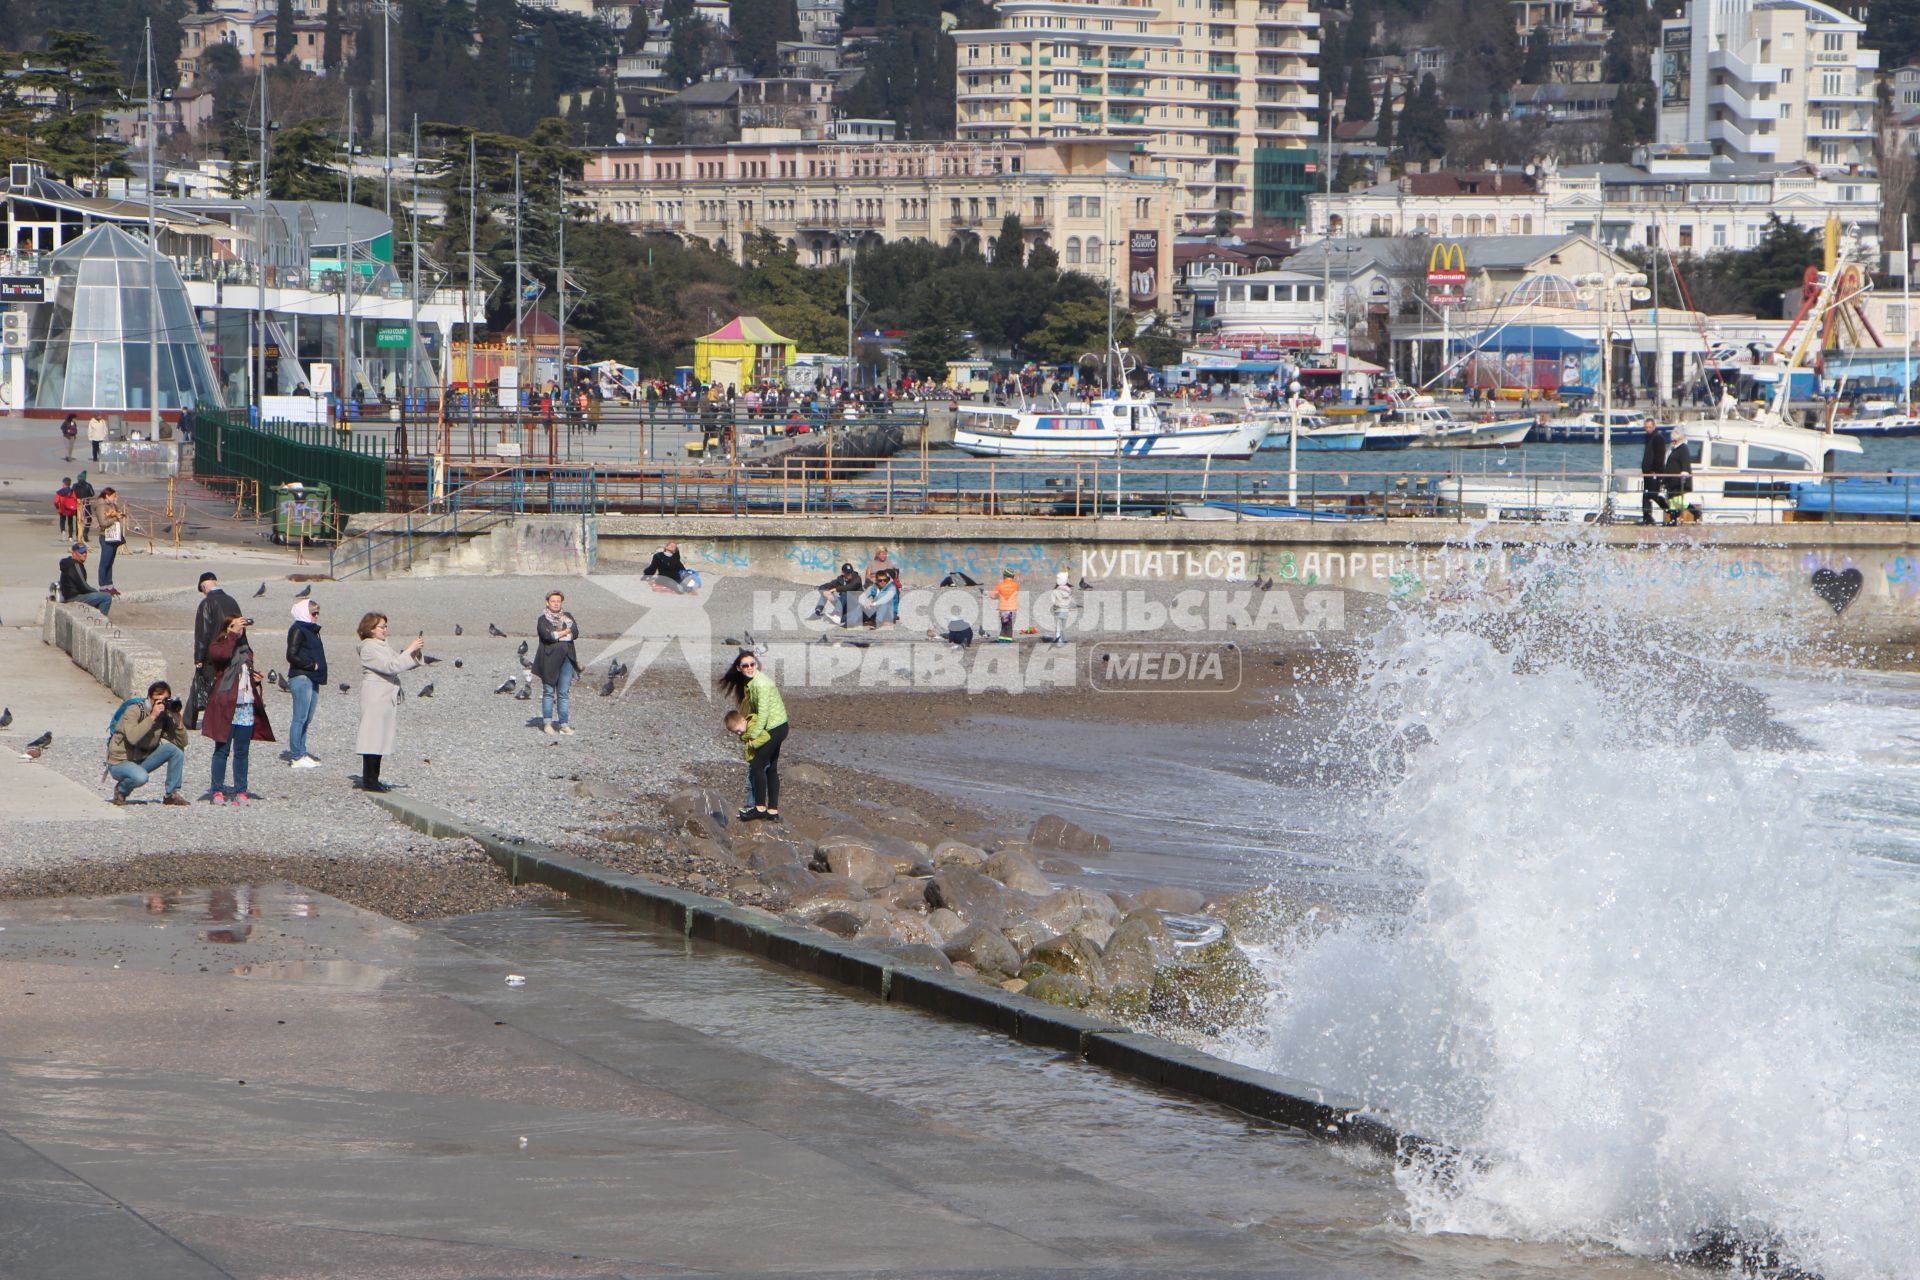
x=1076, y=195
x=1215, y=94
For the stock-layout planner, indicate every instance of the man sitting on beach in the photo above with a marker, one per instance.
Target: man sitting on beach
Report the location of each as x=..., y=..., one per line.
x=74, y=587
x=666, y=564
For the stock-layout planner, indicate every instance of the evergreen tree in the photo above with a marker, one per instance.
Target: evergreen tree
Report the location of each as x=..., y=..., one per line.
x=304, y=164
x=1893, y=27
x=1631, y=123
x=330, y=41
x=1359, y=108
x=1010, y=246
x=284, y=34
x=933, y=345
x=1383, y=131
x=1537, y=67
x=1423, y=125
x=74, y=84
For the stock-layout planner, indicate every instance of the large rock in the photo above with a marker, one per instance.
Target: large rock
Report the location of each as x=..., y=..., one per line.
x=906, y=895
x=828, y=886
x=954, y=853
x=762, y=854
x=1180, y=901
x=803, y=774
x=1064, y=989
x=1055, y=832
x=1018, y=871
x=987, y=950
x=1068, y=953
x=858, y=863
x=695, y=802
x=843, y=923
x=1269, y=917
x=1065, y=910
x=918, y=955
x=975, y=898
x=1133, y=954
x=718, y=850
x=1026, y=933
x=901, y=926
x=946, y=923
x=1213, y=989
x=783, y=882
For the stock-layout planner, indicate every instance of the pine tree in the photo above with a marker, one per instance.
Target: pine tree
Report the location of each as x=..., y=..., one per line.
x=1010, y=246
x=1537, y=67
x=1383, y=131
x=284, y=35
x=330, y=41
x=1359, y=108
x=1423, y=126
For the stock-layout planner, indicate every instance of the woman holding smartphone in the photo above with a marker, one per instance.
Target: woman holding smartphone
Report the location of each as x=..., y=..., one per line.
x=380, y=695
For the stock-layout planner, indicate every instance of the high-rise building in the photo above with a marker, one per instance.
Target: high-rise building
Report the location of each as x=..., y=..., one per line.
x=1217, y=94
x=1768, y=80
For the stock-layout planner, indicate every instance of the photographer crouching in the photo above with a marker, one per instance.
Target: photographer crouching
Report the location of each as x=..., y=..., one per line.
x=146, y=736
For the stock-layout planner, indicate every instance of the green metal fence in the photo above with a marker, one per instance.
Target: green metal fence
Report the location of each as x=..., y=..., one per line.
x=353, y=463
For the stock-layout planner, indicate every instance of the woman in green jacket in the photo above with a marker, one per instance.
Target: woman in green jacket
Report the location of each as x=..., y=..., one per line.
x=758, y=698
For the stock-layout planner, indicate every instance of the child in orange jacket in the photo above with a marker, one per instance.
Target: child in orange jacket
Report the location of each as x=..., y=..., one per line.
x=1008, y=594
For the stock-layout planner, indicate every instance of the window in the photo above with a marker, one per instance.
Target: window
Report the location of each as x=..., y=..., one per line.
x=1073, y=209
x=1830, y=83
x=1073, y=251
x=1834, y=42
x=1093, y=250
x=1256, y=293
x=1829, y=153
x=1762, y=458
x=1093, y=206
x=1725, y=454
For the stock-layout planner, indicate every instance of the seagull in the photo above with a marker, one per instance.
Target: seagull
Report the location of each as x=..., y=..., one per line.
x=262, y=591
x=44, y=741
x=495, y=631
x=426, y=690
x=522, y=650
x=506, y=686
x=459, y=630
x=6, y=717
x=306, y=592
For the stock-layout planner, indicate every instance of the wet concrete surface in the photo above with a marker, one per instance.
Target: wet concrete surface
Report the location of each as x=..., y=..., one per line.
x=260, y=1081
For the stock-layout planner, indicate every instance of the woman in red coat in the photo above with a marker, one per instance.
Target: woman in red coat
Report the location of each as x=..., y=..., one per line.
x=235, y=717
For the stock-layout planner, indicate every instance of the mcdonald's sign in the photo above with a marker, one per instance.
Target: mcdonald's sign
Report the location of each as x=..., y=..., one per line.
x=1446, y=264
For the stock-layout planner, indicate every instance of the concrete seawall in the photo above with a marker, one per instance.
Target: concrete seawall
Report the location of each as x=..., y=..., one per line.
x=118, y=661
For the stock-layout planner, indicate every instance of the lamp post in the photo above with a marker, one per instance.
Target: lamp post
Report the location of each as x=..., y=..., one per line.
x=1293, y=443
x=1629, y=286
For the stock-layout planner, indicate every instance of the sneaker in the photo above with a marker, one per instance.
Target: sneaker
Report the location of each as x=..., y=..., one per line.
x=749, y=814
x=548, y=729
x=306, y=762
x=770, y=817
x=242, y=798
x=566, y=728
x=218, y=797
x=117, y=797
x=174, y=797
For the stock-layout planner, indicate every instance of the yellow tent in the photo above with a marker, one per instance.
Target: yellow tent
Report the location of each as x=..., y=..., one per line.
x=742, y=352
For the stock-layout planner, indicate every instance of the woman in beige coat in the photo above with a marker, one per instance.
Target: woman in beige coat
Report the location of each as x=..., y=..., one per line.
x=380, y=695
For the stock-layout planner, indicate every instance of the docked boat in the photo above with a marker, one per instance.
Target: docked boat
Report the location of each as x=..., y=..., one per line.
x=1316, y=433
x=1883, y=421
x=1745, y=471
x=1589, y=427
x=1436, y=428
x=1116, y=426
x=1225, y=509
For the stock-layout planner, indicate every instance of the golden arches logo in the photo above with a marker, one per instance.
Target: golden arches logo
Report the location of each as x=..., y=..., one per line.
x=1447, y=264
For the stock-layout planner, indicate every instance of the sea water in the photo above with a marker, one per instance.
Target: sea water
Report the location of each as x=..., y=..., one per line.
x=1658, y=979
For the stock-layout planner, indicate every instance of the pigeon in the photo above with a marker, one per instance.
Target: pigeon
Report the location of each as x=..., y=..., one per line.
x=526, y=662
x=495, y=631
x=526, y=692
x=606, y=690
x=427, y=660
x=273, y=676
x=824, y=640
x=522, y=650
x=262, y=591
x=751, y=642
x=344, y=686
x=860, y=644
x=44, y=741
x=306, y=592
x=6, y=717
x=459, y=630
x=731, y=643
x=457, y=664
x=1083, y=584
x=426, y=690
x=506, y=686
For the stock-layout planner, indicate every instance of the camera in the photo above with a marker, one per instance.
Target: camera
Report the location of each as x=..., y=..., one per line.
x=174, y=705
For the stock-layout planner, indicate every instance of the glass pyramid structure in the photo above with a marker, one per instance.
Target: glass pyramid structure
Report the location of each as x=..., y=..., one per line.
x=88, y=346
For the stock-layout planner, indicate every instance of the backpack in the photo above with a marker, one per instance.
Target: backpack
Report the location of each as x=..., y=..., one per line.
x=122, y=709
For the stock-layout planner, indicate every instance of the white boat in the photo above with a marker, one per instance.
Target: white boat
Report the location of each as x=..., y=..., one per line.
x=1117, y=426
x=1590, y=426
x=1317, y=435
x=1437, y=428
x=1744, y=472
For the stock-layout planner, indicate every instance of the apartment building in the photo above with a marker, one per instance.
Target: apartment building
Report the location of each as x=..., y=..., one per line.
x=1217, y=95
x=1778, y=81
x=1075, y=195
x=252, y=35
x=1678, y=198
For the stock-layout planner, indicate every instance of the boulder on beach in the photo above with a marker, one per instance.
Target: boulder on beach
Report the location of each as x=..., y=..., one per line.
x=917, y=955
x=954, y=853
x=829, y=886
x=1061, y=866
x=946, y=923
x=1063, y=989
x=783, y=882
x=694, y=802
x=1052, y=831
x=987, y=950
x=840, y=922
x=1067, y=953
x=1211, y=989
x=1027, y=933
x=859, y=863
x=1270, y=917
x=708, y=847
x=908, y=894
x=803, y=774
x=1172, y=898
x=1065, y=909
x=762, y=854
x=975, y=898
x=1018, y=871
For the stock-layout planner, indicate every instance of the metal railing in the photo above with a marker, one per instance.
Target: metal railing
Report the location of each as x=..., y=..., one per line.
x=353, y=464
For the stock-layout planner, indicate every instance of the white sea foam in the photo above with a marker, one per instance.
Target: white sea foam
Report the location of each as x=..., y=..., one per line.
x=1660, y=978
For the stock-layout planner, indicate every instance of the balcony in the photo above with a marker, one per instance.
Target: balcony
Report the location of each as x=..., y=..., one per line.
x=1127, y=91
x=1090, y=89
x=1093, y=62
x=1127, y=64
x=1215, y=147
x=1223, y=68
x=1217, y=94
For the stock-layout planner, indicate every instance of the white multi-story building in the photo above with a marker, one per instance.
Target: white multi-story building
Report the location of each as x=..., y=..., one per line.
x=1216, y=94
x=1778, y=81
x=1683, y=200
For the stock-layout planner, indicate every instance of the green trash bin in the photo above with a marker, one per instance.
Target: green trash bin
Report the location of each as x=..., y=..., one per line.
x=303, y=512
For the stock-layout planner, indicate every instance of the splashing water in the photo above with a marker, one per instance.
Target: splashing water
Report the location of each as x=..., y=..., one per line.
x=1655, y=984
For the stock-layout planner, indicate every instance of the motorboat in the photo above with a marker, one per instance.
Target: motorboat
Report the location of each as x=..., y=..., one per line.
x=1113, y=426
x=1758, y=470
x=1316, y=433
x=1591, y=426
x=1436, y=428
x=1882, y=420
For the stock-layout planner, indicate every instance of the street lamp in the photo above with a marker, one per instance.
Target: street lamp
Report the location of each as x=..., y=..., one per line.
x=1595, y=286
x=1293, y=443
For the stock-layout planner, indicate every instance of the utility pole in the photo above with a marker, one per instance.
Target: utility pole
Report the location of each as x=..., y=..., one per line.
x=260, y=255
x=560, y=304
x=386, y=112
x=347, y=389
x=519, y=292
x=473, y=271
x=154, y=323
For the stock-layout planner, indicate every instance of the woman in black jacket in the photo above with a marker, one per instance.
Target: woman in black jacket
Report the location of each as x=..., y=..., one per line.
x=306, y=677
x=848, y=587
x=555, y=663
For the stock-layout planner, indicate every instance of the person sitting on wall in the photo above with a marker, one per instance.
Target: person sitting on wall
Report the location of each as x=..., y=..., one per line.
x=666, y=564
x=74, y=587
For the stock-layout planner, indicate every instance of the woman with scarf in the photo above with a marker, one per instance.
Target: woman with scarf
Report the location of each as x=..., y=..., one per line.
x=554, y=662
x=306, y=676
x=381, y=666
x=236, y=717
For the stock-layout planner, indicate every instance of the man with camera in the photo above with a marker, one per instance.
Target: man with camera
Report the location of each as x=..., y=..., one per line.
x=147, y=737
